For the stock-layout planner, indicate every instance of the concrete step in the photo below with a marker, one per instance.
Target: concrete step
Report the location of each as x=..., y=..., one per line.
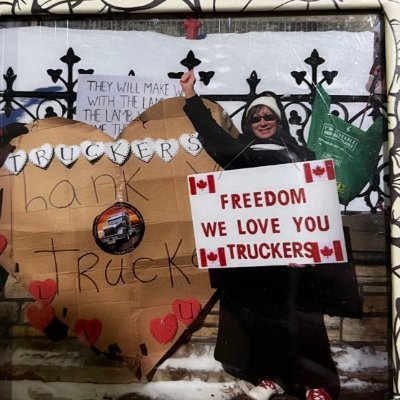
x=35, y=370
x=178, y=390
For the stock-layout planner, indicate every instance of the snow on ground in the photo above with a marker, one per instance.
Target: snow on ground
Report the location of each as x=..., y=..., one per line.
x=362, y=386
x=348, y=359
x=203, y=362
x=363, y=360
x=176, y=390
x=172, y=390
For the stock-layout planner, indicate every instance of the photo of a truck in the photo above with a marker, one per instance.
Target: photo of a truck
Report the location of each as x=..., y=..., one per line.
x=118, y=227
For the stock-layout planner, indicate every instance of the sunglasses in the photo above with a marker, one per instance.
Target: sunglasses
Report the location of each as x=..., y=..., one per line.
x=268, y=117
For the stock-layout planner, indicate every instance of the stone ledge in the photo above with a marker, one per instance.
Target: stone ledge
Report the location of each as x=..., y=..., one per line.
x=182, y=390
x=71, y=362
x=368, y=329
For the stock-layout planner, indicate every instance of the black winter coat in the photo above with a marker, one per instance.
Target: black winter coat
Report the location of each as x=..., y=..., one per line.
x=271, y=318
x=246, y=151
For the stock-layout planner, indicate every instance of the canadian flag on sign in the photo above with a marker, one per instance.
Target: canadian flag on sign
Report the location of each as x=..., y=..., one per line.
x=327, y=252
x=201, y=184
x=212, y=257
x=319, y=170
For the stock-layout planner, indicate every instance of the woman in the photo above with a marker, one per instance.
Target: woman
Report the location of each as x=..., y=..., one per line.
x=271, y=329
x=265, y=139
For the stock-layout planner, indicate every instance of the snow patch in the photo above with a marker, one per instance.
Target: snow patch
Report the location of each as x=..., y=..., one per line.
x=364, y=359
x=203, y=362
x=178, y=390
x=357, y=384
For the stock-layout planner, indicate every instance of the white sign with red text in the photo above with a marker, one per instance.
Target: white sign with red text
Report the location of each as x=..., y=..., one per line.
x=276, y=215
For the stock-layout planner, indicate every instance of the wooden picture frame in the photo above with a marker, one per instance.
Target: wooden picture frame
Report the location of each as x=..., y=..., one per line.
x=14, y=9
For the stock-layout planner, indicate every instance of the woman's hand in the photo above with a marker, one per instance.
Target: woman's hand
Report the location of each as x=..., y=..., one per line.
x=187, y=83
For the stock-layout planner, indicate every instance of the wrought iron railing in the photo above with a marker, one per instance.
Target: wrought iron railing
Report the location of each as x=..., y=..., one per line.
x=297, y=106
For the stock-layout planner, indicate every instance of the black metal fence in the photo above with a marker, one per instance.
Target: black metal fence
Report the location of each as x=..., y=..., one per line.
x=297, y=106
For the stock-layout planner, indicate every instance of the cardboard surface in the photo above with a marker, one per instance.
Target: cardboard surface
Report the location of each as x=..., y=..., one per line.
x=129, y=297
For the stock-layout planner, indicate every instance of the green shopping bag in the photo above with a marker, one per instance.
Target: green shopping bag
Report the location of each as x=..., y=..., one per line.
x=354, y=151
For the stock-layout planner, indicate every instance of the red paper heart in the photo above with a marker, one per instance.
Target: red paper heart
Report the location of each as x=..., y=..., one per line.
x=186, y=310
x=40, y=314
x=3, y=243
x=45, y=290
x=164, y=329
x=88, y=331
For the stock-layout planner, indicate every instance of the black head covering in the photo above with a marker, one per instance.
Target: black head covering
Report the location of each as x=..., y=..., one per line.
x=292, y=152
x=272, y=101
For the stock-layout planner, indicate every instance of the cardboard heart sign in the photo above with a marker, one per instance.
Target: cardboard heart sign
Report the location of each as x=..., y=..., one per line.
x=143, y=149
x=16, y=161
x=92, y=150
x=41, y=156
x=45, y=291
x=3, y=243
x=88, y=331
x=40, y=314
x=190, y=143
x=118, y=151
x=113, y=234
x=186, y=310
x=166, y=149
x=67, y=154
x=164, y=329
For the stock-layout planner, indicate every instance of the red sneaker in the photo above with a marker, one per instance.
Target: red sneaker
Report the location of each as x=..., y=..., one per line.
x=317, y=394
x=265, y=390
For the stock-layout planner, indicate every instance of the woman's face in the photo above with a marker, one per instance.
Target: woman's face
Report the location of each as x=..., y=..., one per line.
x=264, y=122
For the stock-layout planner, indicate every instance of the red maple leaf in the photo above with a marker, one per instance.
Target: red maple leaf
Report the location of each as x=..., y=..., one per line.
x=201, y=184
x=212, y=256
x=318, y=170
x=326, y=251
